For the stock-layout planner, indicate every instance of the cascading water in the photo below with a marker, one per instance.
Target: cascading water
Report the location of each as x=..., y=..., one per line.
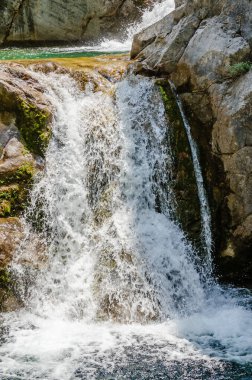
x=103, y=184
x=118, y=294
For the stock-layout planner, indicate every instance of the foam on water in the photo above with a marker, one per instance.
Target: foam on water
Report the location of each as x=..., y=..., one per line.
x=120, y=295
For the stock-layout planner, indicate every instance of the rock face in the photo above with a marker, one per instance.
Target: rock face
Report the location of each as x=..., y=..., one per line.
x=72, y=20
x=205, y=47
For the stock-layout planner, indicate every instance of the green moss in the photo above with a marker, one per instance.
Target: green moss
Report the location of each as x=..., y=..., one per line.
x=5, y=208
x=23, y=174
x=14, y=190
x=33, y=124
x=27, y=170
x=13, y=199
x=239, y=69
x=5, y=279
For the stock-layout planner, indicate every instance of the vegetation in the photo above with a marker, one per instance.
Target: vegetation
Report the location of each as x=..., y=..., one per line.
x=238, y=69
x=14, y=190
x=33, y=124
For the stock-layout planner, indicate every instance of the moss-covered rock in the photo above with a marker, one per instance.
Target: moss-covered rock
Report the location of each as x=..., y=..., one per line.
x=13, y=199
x=23, y=173
x=17, y=168
x=33, y=123
x=22, y=97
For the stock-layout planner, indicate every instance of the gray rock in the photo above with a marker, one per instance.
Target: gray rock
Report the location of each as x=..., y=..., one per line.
x=156, y=31
x=72, y=20
x=212, y=49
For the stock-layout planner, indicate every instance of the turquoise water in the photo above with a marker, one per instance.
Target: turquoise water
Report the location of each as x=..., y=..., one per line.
x=40, y=53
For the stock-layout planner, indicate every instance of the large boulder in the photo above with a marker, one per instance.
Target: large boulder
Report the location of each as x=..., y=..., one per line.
x=205, y=48
x=72, y=20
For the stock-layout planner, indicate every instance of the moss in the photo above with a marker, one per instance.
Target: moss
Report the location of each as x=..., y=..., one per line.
x=14, y=190
x=183, y=183
x=238, y=69
x=5, y=208
x=27, y=170
x=5, y=279
x=13, y=199
x=33, y=124
x=23, y=174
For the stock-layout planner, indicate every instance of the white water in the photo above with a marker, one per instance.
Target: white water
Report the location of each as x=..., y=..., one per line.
x=120, y=296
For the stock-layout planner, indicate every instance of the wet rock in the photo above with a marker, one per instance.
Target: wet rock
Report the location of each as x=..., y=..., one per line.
x=11, y=234
x=96, y=73
x=183, y=181
x=9, y=302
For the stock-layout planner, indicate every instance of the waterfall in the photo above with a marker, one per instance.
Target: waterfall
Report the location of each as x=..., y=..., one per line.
x=204, y=206
x=113, y=250
x=118, y=293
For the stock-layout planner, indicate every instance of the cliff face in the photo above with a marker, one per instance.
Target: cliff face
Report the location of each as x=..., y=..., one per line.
x=205, y=48
x=72, y=20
